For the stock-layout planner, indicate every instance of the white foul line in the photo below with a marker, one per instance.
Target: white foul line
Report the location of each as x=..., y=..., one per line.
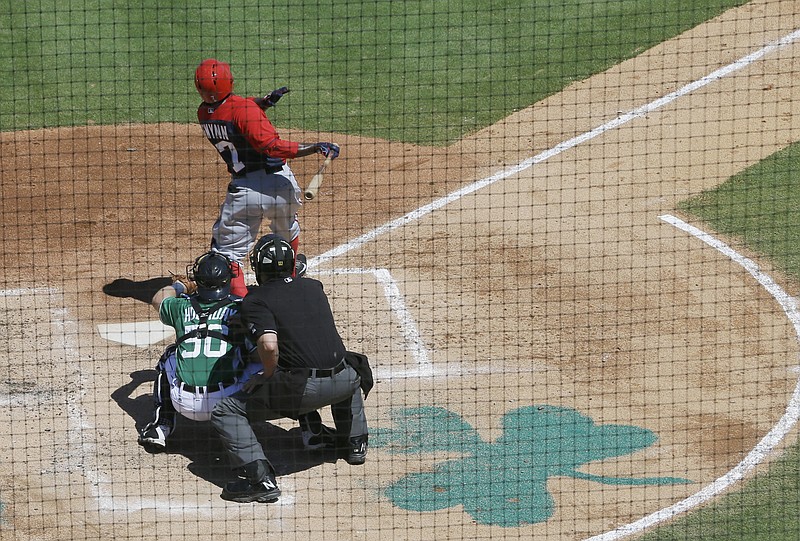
x=790, y=417
x=768, y=442
x=554, y=151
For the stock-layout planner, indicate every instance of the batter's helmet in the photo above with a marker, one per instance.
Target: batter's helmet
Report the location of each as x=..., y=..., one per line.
x=272, y=257
x=212, y=273
x=214, y=80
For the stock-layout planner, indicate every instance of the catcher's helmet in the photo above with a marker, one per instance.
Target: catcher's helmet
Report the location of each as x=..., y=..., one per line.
x=212, y=273
x=272, y=257
x=214, y=80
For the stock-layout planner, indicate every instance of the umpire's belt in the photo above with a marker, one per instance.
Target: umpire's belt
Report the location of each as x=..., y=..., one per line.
x=208, y=388
x=319, y=372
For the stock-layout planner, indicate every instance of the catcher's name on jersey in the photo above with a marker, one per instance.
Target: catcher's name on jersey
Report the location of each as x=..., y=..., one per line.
x=223, y=314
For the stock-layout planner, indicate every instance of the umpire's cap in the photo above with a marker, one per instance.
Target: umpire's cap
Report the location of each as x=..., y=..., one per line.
x=272, y=257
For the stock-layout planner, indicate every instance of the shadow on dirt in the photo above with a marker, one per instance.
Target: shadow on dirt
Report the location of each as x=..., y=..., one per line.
x=141, y=291
x=199, y=443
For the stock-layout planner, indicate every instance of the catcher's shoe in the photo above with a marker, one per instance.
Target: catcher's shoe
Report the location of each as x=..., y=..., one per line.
x=154, y=436
x=243, y=491
x=300, y=266
x=357, y=453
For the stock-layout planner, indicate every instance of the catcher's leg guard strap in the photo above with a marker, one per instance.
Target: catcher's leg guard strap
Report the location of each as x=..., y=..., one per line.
x=162, y=403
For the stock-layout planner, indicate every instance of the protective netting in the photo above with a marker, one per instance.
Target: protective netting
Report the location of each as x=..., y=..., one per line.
x=565, y=234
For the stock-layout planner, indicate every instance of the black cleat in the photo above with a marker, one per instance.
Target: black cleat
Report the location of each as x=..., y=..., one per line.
x=357, y=454
x=154, y=436
x=242, y=491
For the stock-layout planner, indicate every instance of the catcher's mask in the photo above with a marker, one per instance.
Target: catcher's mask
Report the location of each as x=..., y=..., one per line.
x=214, y=80
x=212, y=273
x=272, y=257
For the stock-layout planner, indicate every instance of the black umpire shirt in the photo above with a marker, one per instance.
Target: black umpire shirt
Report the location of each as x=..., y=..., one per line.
x=299, y=312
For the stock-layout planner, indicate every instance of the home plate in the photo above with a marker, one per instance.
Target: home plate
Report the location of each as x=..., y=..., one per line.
x=139, y=333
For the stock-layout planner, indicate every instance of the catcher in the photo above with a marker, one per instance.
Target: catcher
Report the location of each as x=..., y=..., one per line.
x=209, y=359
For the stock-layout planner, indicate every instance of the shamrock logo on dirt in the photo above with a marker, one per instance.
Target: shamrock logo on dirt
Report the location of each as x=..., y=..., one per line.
x=505, y=482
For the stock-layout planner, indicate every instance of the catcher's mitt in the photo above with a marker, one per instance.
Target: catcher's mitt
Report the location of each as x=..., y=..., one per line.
x=183, y=285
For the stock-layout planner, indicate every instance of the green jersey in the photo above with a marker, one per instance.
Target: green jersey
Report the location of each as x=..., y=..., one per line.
x=207, y=360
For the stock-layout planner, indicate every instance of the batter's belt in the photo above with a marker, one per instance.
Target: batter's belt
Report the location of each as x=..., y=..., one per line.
x=270, y=170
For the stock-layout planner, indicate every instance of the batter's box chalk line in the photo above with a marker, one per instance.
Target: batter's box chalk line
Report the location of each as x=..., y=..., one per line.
x=145, y=333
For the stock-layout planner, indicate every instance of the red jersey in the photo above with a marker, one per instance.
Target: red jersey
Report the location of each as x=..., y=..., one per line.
x=243, y=135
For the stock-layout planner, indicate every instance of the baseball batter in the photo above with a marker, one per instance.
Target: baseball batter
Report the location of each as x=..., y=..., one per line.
x=262, y=184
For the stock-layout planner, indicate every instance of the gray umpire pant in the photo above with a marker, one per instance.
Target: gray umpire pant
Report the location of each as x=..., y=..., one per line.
x=232, y=416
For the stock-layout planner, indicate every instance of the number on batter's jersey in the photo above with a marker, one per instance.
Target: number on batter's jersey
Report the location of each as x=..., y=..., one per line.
x=229, y=153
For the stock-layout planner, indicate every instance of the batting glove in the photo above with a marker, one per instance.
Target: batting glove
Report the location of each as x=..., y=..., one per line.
x=328, y=149
x=272, y=98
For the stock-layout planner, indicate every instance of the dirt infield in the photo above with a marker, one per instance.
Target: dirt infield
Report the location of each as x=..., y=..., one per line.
x=554, y=360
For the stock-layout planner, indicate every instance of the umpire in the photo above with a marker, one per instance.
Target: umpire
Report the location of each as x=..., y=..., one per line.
x=305, y=367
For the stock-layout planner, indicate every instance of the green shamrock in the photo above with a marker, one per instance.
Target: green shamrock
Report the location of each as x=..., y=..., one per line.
x=505, y=482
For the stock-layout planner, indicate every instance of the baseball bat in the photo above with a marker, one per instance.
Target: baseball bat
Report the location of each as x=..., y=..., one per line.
x=316, y=181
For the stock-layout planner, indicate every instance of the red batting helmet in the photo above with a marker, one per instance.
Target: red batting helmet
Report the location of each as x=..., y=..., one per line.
x=214, y=80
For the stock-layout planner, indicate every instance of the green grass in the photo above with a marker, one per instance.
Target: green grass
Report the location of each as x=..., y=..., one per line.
x=766, y=509
x=424, y=71
x=760, y=208
x=417, y=71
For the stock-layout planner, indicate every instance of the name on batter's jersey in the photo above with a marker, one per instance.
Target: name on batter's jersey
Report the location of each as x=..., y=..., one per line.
x=216, y=131
x=232, y=146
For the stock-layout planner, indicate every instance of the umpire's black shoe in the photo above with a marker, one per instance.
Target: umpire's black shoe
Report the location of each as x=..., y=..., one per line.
x=243, y=491
x=357, y=454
